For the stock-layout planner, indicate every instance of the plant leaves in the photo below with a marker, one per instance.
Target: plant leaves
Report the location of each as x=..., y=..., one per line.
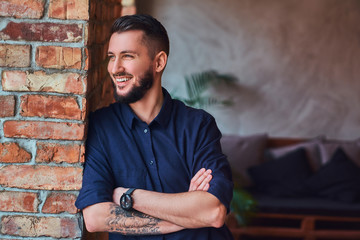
x=243, y=205
x=196, y=84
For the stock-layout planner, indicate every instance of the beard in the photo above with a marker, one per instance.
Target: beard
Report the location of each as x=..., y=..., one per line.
x=136, y=92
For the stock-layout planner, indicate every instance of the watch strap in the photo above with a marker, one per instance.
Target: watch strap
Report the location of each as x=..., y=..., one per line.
x=130, y=191
x=127, y=195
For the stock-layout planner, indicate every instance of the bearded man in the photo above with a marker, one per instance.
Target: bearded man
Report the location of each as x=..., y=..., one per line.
x=154, y=168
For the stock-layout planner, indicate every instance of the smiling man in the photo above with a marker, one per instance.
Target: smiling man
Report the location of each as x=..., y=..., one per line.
x=154, y=167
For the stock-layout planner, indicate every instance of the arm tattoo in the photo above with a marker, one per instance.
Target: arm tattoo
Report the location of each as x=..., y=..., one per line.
x=132, y=222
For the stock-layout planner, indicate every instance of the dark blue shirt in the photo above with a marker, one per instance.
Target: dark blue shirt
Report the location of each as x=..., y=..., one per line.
x=122, y=150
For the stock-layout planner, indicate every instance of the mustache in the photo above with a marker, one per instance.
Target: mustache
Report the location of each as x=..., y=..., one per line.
x=122, y=74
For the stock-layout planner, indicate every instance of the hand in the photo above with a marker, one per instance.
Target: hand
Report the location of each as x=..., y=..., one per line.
x=118, y=192
x=201, y=180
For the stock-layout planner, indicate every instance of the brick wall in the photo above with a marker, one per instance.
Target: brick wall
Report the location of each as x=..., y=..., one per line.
x=53, y=72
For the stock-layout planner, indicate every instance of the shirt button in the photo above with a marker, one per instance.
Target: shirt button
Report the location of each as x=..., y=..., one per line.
x=151, y=162
x=145, y=130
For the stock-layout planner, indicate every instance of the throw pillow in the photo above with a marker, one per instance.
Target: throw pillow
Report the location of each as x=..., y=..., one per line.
x=351, y=148
x=284, y=176
x=311, y=147
x=243, y=152
x=339, y=179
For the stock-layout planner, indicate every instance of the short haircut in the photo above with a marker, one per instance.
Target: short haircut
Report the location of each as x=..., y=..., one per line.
x=155, y=35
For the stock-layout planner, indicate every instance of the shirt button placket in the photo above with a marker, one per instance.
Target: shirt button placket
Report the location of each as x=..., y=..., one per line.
x=151, y=162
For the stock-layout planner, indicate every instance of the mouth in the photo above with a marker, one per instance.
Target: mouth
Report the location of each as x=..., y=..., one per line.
x=122, y=79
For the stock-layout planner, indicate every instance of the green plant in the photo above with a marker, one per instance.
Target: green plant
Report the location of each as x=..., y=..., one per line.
x=243, y=206
x=198, y=83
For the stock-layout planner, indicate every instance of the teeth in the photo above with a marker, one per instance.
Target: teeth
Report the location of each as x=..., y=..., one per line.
x=122, y=79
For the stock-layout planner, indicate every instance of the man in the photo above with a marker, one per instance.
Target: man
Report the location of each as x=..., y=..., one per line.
x=145, y=172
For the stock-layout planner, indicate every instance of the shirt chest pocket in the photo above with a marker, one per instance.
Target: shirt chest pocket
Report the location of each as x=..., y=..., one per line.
x=131, y=178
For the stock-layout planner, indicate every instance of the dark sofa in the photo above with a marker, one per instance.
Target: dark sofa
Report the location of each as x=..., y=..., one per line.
x=304, y=188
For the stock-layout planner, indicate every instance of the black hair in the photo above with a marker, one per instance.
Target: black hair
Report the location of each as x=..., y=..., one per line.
x=155, y=34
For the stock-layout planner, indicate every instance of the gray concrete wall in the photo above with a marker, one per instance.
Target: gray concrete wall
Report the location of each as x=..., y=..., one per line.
x=297, y=61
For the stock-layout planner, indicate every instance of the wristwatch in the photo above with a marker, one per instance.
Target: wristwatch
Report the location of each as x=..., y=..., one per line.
x=126, y=201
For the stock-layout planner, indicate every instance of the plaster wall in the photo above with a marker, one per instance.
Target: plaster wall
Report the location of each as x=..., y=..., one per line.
x=297, y=62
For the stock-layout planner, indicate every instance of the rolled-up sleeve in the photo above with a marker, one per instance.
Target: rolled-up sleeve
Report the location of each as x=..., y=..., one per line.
x=98, y=182
x=209, y=155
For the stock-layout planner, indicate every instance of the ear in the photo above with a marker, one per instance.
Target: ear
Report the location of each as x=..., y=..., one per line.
x=160, y=61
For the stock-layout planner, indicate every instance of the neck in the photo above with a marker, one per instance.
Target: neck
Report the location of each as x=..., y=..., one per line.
x=150, y=105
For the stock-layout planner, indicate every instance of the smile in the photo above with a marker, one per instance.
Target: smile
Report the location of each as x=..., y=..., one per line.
x=122, y=79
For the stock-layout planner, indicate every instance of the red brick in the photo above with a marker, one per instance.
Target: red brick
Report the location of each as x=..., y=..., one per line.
x=87, y=58
x=84, y=108
x=69, y=9
x=39, y=81
x=7, y=104
x=90, y=58
x=60, y=202
x=50, y=107
x=30, y=226
x=41, y=177
x=58, y=57
x=88, y=36
x=22, y=9
x=46, y=32
x=58, y=153
x=14, y=55
x=82, y=153
x=11, y=152
x=18, y=201
x=44, y=130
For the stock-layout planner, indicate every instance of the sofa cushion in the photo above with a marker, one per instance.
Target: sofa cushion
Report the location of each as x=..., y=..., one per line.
x=243, y=152
x=351, y=148
x=338, y=179
x=284, y=176
x=311, y=147
x=304, y=205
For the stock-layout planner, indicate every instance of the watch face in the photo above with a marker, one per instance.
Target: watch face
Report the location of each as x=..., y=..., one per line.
x=126, y=202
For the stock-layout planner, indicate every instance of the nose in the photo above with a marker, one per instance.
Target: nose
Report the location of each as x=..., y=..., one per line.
x=116, y=67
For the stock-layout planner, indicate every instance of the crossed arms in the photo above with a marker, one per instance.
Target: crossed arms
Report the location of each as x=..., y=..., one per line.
x=159, y=213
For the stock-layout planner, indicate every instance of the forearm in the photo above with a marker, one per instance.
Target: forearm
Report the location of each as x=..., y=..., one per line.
x=189, y=209
x=110, y=217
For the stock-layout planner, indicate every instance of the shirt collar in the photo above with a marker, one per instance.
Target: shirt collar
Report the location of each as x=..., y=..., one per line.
x=165, y=113
x=128, y=115
x=162, y=118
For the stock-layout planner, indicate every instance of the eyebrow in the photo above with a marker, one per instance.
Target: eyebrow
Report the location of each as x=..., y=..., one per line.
x=125, y=51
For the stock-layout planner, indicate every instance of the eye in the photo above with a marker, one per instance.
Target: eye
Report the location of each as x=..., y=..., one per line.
x=111, y=57
x=127, y=56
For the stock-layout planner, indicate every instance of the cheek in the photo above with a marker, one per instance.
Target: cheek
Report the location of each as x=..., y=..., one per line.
x=109, y=67
x=135, y=68
x=142, y=69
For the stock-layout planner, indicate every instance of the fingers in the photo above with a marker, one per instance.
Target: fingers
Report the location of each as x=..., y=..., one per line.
x=201, y=180
x=207, y=186
x=197, y=179
x=198, y=175
x=204, y=186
